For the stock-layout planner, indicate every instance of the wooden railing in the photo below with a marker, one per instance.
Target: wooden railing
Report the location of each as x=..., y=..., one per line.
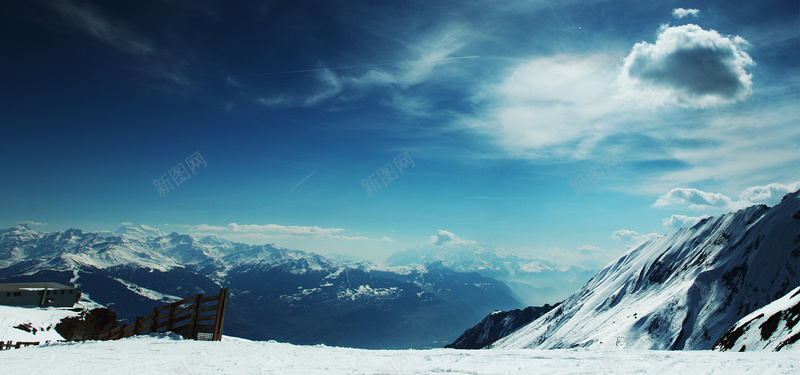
x=196, y=318
x=16, y=345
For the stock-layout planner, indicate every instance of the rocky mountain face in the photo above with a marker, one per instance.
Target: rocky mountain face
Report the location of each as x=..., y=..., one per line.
x=278, y=294
x=497, y=325
x=681, y=291
x=773, y=327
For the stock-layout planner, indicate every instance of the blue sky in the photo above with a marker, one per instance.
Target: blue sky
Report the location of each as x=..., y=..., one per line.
x=565, y=131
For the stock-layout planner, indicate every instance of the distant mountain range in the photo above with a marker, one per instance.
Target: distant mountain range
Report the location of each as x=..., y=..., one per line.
x=533, y=281
x=730, y=282
x=687, y=289
x=280, y=294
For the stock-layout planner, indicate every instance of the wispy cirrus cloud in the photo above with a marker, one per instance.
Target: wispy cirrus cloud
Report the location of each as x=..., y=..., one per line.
x=158, y=63
x=391, y=80
x=275, y=230
x=91, y=22
x=31, y=222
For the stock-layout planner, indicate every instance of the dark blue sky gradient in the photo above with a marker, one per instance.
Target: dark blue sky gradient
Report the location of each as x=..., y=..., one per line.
x=99, y=98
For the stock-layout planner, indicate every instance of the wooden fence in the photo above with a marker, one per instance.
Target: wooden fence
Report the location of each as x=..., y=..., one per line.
x=16, y=345
x=197, y=318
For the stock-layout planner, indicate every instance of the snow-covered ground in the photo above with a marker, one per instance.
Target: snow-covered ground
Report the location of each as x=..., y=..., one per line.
x=168, y=355
x=43, y=320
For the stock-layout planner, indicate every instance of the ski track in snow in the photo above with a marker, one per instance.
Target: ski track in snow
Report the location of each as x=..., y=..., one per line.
x=167, y=355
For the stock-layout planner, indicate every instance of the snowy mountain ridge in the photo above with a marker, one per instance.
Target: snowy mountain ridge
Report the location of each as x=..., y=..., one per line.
x=141, y=246
x=680, y=291
x=770, y=328
x=276, y=293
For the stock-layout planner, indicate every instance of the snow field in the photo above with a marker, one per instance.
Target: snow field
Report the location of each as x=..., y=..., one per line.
x=43, y=319
x=167, y=354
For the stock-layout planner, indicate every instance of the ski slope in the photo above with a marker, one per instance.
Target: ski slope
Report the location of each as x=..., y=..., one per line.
x=169, y=355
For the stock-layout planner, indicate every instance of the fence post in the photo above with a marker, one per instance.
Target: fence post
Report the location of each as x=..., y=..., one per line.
x=223, y=300
x=137, y=326
x=193, y=319
x=171, y=317
x=153, y=321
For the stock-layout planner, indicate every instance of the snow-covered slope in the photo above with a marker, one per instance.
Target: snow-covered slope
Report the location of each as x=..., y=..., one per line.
x=35, y=324
x=167, y=355
x=773, y=327
x=681, y=291
x=497, y=325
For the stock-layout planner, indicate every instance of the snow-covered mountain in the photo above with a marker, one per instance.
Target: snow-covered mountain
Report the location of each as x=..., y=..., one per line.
x=533, y=281
x=773, y=327
x=681, y=291
x=281, y=294
x=497, y=325
x=459, y=289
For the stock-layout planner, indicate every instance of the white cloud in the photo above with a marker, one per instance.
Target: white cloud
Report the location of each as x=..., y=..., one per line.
x=126, y=224
x=633, y=238
x=551, y=101
x=696, y=199
x=445, y=238
x=274, y=101
x=681, y=221
x=30, y=222
x=589, y=249
x=689, y=67
x=680, y=12
x=768, y=194
x=331, y=86
x=425, y=56
x=270, y=231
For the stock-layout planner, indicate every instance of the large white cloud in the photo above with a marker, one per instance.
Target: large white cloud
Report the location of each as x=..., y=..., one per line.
x=687, y=66
x=548, y=102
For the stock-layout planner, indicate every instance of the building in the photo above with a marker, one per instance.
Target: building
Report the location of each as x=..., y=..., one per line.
x=39, y=294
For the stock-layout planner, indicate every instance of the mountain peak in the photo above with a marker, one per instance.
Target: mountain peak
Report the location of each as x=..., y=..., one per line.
x=681, y=291
x=141, y=232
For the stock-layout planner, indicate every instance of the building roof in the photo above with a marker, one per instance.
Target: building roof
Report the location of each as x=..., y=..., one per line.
x=15, y=287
